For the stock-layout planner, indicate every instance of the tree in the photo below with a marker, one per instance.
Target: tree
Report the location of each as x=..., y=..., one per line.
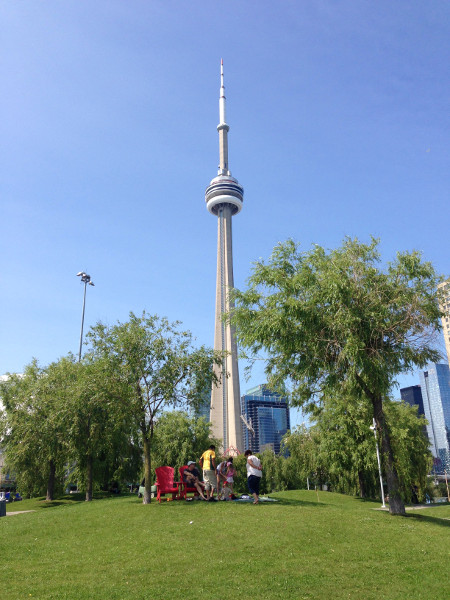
x=67, y=416
x=100, y=429
x=160, y=367
x=180, y=438
x=413, y=458
x=34, y=425
x=336, y=319
x=346, y=443
x=304, y=460
x=273, y=474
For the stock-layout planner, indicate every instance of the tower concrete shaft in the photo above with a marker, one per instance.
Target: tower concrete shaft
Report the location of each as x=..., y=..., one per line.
x=224, y=198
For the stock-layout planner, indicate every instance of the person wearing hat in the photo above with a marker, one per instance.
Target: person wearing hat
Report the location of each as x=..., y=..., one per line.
x=191, y=477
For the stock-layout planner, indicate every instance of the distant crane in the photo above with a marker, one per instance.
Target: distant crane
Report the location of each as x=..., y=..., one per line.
x=248, y=424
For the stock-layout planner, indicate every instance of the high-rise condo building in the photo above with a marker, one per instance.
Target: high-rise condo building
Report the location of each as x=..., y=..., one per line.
x=412, y=395
x=204, y=408
x=265, y=419
x=224, y=198
x=435, y=387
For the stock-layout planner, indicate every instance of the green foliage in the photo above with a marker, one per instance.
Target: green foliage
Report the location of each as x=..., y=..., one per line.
x=273, y=474
x=276, y=473
x=159, y=368
x=303, y=462
x=413, y=458
x=102, y=434
x=334, y=322
x=179, y=438
x=92, y=420
x=339, y=449
x=336, y=318
x=34, y=426
x=347, y=445
x=240, y=479
x=66, y=421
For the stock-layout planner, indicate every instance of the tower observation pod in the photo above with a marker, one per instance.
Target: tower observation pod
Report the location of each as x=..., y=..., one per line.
x=224, y=198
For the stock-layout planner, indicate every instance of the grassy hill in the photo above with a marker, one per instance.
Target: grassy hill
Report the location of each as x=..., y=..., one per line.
x=303, y=547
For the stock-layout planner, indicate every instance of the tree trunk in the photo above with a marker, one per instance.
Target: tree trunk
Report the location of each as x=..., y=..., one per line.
x=51, y=481
x=396, y=505
x=147, y=469
x=89, y=478
x=362, y=486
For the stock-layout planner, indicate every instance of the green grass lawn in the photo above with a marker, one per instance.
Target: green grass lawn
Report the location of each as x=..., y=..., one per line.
x=296, y=548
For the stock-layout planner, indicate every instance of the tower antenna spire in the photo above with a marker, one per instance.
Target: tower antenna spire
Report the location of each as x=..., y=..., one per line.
x=223, y=128
x=222, y=98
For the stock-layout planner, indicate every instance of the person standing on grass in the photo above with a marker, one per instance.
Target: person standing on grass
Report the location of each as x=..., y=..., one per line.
x=231, y=472
x=254, y=474
x=208, y=464
x=221, y=473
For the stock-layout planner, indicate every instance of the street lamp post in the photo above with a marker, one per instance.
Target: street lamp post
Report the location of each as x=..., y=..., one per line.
x=86, y=279
x=374, y=429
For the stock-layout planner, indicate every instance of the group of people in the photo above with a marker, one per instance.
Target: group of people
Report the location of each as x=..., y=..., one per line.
x=220, y=478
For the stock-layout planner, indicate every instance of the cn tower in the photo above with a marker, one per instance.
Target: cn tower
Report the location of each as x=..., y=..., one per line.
x=224, y=198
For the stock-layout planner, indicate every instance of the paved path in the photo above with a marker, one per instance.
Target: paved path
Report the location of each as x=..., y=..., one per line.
x=18, y=512
x=417, y=506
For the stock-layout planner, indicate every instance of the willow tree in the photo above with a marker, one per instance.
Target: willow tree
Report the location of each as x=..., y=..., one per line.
x=161, y=367
x=34, y=425
x=180, y=438
x=335, y=319
x=100, y=427
x=347, y=445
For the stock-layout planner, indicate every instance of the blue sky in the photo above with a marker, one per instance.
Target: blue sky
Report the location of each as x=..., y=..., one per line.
x=339, y=126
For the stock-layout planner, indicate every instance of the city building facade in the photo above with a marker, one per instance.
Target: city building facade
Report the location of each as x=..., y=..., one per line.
x=202, y=411
x=224, y=198
x=435, y=388
x=265, y=416
x=412, y=395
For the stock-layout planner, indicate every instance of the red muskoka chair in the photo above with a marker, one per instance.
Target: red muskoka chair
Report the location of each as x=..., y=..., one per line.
x=185, y=489
x=165, y=483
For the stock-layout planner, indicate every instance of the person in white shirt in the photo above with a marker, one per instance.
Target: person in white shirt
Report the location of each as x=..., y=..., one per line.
x=254, y=474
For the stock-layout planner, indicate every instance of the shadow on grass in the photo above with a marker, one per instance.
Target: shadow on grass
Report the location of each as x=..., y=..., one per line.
x=366, y=500
x=50, y=504
x=428, y=519
x=295, y=502
x=71, y=499
x=280, y=501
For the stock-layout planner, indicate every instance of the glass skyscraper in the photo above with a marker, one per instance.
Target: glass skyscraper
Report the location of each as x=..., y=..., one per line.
x=435, y=388
x=204, y=407
x=267, y=416
x=412, y=395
